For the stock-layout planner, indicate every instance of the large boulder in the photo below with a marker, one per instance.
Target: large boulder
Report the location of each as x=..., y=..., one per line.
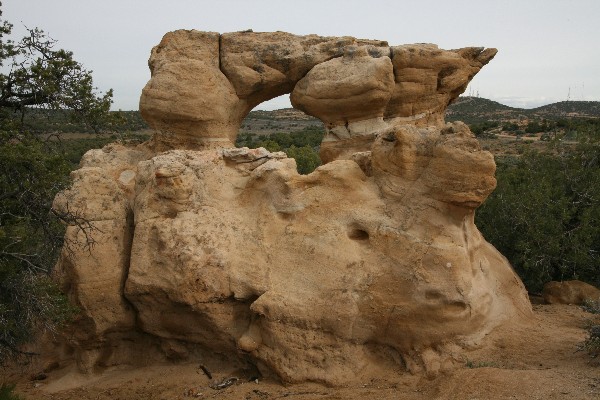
x=570, y=292
x=309, y=277
x=185, y=248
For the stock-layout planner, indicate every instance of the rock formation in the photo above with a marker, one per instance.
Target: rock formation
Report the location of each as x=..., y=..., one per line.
x=203, y=84
x=570, y=292
x=372, y=262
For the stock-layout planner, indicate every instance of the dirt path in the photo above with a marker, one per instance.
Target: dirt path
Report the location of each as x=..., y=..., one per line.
x=539, y=361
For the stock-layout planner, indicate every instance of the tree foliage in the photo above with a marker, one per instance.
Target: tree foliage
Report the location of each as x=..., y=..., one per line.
x=307, y=159
x=32, y=170
x=301, y=145
x=544, y=215
x=40, y=75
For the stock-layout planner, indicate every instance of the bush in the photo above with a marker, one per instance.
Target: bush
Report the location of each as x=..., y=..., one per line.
x=536, y=127
x=592, y=343
x=510, y=127
x=591, y=306
x=481, y=128
x=544, y=215
x=307, y=159
x=301, y=145
x=6, y=392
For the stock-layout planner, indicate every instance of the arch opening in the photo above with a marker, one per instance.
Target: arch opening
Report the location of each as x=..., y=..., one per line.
x=277, y=126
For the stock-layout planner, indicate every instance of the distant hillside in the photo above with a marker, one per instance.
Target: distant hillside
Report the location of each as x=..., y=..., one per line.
x=283, y=113
x=570, y=109
x=471, y=110
x=476, y=110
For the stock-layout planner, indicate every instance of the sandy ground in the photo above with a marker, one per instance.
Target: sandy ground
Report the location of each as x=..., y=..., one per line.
x=539, y=361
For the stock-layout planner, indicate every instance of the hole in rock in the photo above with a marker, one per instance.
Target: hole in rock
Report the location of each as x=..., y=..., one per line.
x=358, y=234
x=276, y=126
x=456, y=307
x=249, y=299
x=433, y=295
x=286, y=216
x=389, y=137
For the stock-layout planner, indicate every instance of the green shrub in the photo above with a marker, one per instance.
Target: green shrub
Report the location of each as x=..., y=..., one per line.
x=7, y=392
x=301, y=145
x=307, y=159
x=592, y=343
x=544, y=215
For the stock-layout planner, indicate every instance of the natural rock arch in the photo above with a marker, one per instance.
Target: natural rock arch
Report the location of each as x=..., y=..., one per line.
x=370, y=263
x=203, y=84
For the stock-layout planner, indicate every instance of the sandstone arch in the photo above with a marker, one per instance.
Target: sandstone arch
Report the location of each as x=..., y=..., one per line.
x=372, y=262
x=203, y=84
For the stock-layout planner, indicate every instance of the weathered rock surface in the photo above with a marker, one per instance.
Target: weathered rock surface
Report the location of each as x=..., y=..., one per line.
x=351, y=88
x=570, y=292
x=264, y=65
x=188, y=100
x=203, y=85
x=370, y=263
x=311, y=277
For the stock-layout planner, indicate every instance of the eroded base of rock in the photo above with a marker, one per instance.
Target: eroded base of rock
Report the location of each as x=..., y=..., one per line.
x=371, y=262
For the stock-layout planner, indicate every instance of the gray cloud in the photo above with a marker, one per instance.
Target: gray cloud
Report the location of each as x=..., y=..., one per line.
x=546, y=48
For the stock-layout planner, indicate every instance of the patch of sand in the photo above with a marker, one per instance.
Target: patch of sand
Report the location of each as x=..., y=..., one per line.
x=538, y=361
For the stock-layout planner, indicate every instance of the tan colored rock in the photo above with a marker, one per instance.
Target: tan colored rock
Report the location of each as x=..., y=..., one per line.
x=188, y=100
x=203, y=84
x=306, y=275
x=351, y=88
x=428, y=79
x=370, y=264
x=570, y=292
x=95, y=259
x=436, y=164
x=264, y=65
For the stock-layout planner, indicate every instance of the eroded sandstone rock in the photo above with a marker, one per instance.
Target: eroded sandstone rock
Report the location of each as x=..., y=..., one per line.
x=188, y=100
x=370, y=263
x=570, y=292
x=350, y=88
x=203, y=84
x=264, y=65
x=309, y=277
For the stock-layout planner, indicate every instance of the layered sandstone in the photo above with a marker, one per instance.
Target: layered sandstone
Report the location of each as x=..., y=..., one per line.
x=203, y=85
x=372, y=262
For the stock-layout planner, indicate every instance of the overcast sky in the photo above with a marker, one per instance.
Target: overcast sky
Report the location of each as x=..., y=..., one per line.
x=548, y=49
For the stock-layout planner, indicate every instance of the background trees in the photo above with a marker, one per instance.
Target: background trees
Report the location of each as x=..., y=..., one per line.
x=301, y=145
x=35, y=76
x=544, y=215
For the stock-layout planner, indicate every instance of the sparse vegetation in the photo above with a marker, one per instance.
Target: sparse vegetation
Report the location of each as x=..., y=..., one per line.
x=36, y=78
x=483, y=127
x=591, y=306
x=301, y=145
x=472, y=110
x=592, y=344
x=544, y=215
x=7, y=392
x=480, y=364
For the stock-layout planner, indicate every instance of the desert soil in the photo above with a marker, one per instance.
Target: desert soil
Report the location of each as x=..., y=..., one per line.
x=537, y=361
